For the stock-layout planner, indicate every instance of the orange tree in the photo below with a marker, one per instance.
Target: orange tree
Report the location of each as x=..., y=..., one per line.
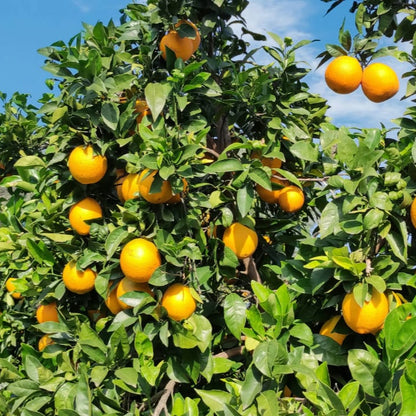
x=228, y=225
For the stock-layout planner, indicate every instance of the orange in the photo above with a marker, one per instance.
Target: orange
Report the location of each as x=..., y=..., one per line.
x=343, y=74
x=130, y=186
x=240, y=239
x=44, y=342
x=413, y=213
x=291, y=198
x=112, y=302
x=174, y=199
x=272, y=162
x=11, y=288
x=196, y=41
x=142, y=109
x=379, y=82
x=139, y=258
x=85, y=166
x=145, y=184
x=178, y=302
x=120, y=176
x=182, y=47
x=127, y=285
x=47, y=313
x=287, y=392
x=78, y=281
x=328, y=328
x=272, y=196
x=366, y=319
x=84, y=210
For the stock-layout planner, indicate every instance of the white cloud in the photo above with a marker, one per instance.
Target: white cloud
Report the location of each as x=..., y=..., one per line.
x=82, y=5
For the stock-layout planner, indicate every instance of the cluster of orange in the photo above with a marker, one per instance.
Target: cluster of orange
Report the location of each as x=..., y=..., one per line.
x=290, y=198
x=378, y=81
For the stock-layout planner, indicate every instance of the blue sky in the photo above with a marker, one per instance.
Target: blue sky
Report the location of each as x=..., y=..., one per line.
x=27, y=25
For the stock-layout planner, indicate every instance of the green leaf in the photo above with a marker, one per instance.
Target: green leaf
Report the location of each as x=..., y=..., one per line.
x=128, y=375
x=225, y=166
x=29, y=162
x=269, y=354
x=245, y=198
x=235, y=314
x=156, y=95
x=110, y=115
x=329, y=221
x=251, y=387
x=83, y=398
x=214, y=399
x=305, y=150
x=113, y=241
x=370, y=372
x=408, y=393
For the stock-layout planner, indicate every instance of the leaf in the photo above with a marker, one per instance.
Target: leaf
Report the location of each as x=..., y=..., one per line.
x=329, y=221
x=29, y=162
x=370, y=372
x=225, y=166
x=269, y=354
x=214, y=399
x=235, y=314
x=113, y=241
x=83, y=398
x=305, y=150
x=245, y=198
x=110, y=115
x=251, y=387
x=156, y=95
x=408, y=393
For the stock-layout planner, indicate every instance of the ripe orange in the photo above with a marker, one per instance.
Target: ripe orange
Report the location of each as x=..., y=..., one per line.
x=272, y=162
x=343, y=74
x=47, y=313
x=142, y=109
x=44, y=342
x=196, y=41
x=413, y=213
x=272, y=196
x=286, y=391
x=176, y=198
x=240, y=239
x=127, y=285
x=328, y=327
x=78, y=281
x=11, y=288
x=139, y=258
x=145, y=184
x=112, y=302
x=130, y=186
x=182, y=47
x=366, y=319
x=178, y=302
x=85, y=166
x=120, y=176
x=86, y=209
x=291, y=198
x=379, y=82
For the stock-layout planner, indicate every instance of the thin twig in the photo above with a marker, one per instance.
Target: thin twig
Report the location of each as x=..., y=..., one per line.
x=167, y=392
x=230, y=353
x=251, y=269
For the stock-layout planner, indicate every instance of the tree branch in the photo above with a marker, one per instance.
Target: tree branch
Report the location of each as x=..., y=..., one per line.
x=167, y=392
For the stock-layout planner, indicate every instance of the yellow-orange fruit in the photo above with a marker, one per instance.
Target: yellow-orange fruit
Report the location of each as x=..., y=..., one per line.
x=112, y=302
x=84, y=210
x=130, y=186
x=182, y=47
x=271, y=197
x=11, y=288
x=291, y=198
x=85, y=166
x=240, y=239
x=127, y=285
x=379, y=82
x=47, y=313
x=178, y=302
x=145, y=184
x=78, y=281
x=343, y=74
x=139, y=258
x=196, y=41
x=413, y=213
x=44, y=342
x=366, y=319
x=328, y=330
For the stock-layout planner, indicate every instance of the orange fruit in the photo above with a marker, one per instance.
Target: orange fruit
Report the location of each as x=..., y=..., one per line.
x=366, y=319
x=145, y=184
x=11, y=288
x=240, y=239
x=139, y=258
x=112, y=302
x=78, y=281
x=196, y=41
x=272, y=162
x=291, y=198
x=44, y=342
x=343, y=74
x=84, y=210
x=287, y=392
x=182, y=47
x=130, y=186
x=178, y=302
x=413, y=213
x=85, y=166
x=47, y=313
x=176, y=198
x=142, y=109
x=272, y=196
x=379, y=82
x=127, y=285
x=328, y=327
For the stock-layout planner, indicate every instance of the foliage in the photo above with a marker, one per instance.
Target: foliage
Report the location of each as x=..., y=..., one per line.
x=256, y=327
